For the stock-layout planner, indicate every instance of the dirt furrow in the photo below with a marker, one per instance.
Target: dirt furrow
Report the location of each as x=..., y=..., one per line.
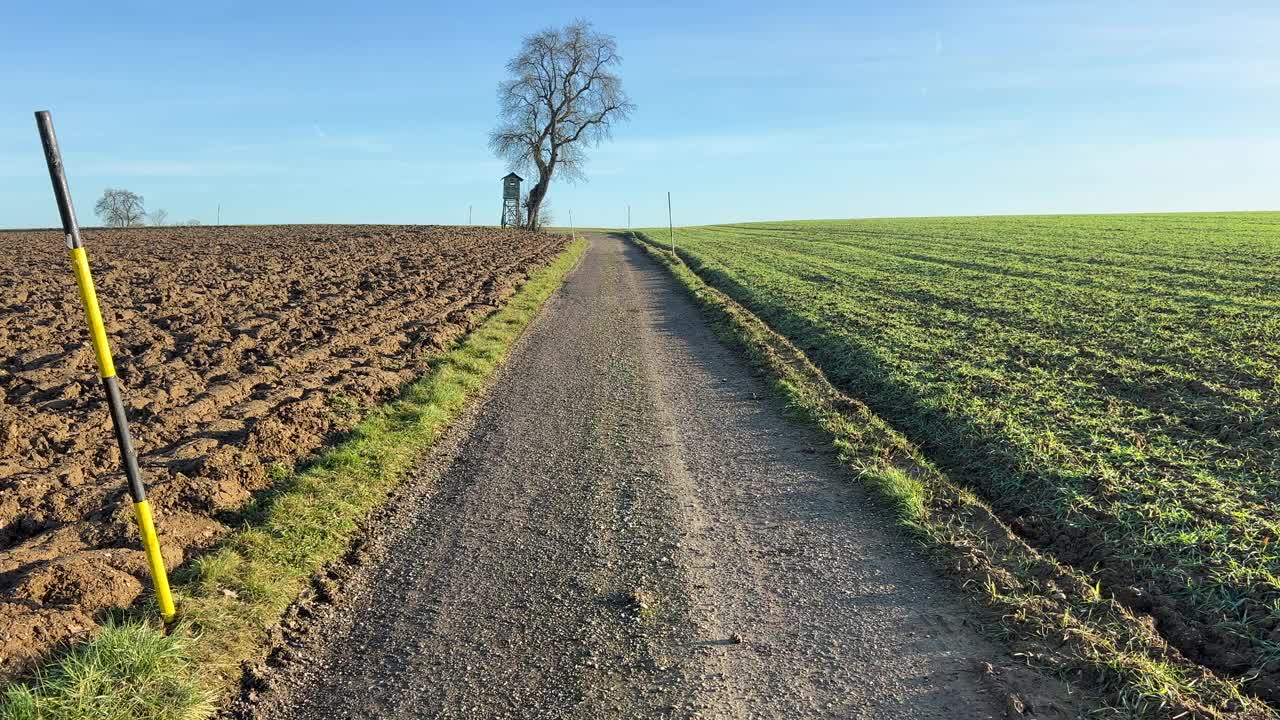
x=238, y=348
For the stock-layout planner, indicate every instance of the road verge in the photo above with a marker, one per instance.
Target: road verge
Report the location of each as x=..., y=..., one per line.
x=1051, y=615
x=229, y=597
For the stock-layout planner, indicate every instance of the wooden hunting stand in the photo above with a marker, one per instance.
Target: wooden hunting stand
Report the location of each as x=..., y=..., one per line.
x=511, y=200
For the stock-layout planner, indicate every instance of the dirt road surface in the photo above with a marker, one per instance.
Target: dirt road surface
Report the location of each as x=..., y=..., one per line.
x=630, y=526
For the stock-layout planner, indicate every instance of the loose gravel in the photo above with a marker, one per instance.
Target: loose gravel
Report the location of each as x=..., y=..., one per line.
x=630, y=526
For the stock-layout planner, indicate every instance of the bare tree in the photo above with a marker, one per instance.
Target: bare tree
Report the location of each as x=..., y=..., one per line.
x=192, y=223
x=159, y=217
x=562, y=97
x=120, y=208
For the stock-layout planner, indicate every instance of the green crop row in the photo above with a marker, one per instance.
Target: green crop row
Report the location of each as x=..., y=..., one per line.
x=1110, y=384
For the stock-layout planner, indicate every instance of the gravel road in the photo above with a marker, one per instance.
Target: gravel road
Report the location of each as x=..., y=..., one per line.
x=629, y=526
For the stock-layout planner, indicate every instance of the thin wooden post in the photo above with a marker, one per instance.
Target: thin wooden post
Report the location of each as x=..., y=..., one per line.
x=671, y=229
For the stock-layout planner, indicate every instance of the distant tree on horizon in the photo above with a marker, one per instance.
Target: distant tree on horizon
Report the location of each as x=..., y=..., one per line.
x=159, y=217
x=562, y=97
x=120, y=208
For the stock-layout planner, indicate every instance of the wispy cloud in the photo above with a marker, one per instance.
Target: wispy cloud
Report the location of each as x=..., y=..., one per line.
x=229, y=160
x=169, y=168
x=799, y=141
x=446, y=173
x=358, y=142
x=1217, y=75
x=20, y=168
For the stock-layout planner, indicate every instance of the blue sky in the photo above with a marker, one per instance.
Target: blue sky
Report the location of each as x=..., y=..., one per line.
x=378, y=112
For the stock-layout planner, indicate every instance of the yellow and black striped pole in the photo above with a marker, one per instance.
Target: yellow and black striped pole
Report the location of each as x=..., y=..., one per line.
x=106, y=368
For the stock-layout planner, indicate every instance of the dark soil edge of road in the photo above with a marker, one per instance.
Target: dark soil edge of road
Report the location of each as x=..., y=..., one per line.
x=1050, y=614
x=230, y=598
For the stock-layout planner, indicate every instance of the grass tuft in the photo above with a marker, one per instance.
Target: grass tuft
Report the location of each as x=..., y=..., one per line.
x=130, y=670
x=905, y=493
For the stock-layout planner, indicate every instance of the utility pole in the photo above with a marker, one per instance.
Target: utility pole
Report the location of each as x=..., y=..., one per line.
x=468, y=214
x=628, y=216
x=219, y=220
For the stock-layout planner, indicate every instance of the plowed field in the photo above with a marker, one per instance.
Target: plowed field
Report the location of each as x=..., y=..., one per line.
x=239, y=349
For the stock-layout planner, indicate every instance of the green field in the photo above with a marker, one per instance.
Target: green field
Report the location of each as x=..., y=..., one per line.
x=1110, y=384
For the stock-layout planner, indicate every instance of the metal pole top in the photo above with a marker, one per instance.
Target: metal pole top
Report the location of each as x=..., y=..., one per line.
x=58, y=176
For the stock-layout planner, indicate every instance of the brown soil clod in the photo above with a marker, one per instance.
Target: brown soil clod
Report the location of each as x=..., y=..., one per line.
x=240, y=350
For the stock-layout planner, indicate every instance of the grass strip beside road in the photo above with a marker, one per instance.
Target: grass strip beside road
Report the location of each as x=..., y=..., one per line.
x=1049, y=614
x=230, y=597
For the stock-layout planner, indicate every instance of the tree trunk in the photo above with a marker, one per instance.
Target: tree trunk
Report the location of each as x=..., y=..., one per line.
x=536, y=194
